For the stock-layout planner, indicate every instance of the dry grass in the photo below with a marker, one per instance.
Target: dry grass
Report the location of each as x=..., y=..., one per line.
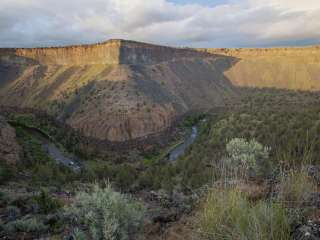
x=229, y=214
x=295, y=187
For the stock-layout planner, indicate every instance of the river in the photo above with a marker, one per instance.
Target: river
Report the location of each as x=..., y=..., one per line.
x=181, y=148
x=72, y=162
x=61, y=157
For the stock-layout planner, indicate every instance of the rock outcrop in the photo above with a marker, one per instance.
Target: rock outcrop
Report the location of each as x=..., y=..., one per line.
x=109, y=52
x=9, y=148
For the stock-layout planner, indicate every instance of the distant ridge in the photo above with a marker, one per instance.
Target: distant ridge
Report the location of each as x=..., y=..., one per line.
x=279, y=51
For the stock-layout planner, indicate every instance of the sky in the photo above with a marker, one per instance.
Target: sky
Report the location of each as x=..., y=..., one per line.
x=193, y=23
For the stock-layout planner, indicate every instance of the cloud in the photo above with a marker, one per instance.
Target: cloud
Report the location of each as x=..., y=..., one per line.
x=236, y=23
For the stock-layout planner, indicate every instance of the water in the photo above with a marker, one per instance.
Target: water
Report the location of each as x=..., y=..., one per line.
x=53, y=151
x=180, y=149
x=61, y=157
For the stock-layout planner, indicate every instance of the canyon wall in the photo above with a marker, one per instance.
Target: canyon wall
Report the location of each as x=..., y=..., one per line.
x=118, y=90
x=123, y=90
x=285, y=68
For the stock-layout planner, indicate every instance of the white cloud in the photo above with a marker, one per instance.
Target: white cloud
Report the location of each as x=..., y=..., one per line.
x=236, y=23
x=289, y=5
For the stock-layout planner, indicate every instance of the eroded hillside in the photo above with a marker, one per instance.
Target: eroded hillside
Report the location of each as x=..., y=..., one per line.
x=285, y=68
x=122, y=90
x=117, y=90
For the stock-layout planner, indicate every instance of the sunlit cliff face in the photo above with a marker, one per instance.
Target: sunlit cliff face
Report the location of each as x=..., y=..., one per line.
x=287, y=68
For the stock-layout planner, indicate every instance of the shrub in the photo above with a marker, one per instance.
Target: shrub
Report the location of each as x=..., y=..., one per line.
x=98, y=170
x=30, y=225
x=6, y=172
x=228, y=214
x=146, y=179
x=43, y=173
x=52, y=173
x=295, y=187
x=248, y=157
x=106, y=214
x=125, y=176
x=33, y=151
x=47, y=203
x=4, y=199
x=13, y=212
x=79, y=235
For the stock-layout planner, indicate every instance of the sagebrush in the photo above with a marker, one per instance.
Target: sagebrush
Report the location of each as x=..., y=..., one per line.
x=106, y=214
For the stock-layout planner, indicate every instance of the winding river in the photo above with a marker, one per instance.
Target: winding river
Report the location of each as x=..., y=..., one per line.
x=178, y=151
x=72, y=162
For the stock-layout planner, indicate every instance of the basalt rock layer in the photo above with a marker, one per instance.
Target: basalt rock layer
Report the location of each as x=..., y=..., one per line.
x=110, y=52
x=123, y=90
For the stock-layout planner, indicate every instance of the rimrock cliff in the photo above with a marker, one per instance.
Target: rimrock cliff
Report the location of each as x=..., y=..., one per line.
x=110, y=52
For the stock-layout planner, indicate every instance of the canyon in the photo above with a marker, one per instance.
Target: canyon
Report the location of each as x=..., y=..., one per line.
x=123, y=90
